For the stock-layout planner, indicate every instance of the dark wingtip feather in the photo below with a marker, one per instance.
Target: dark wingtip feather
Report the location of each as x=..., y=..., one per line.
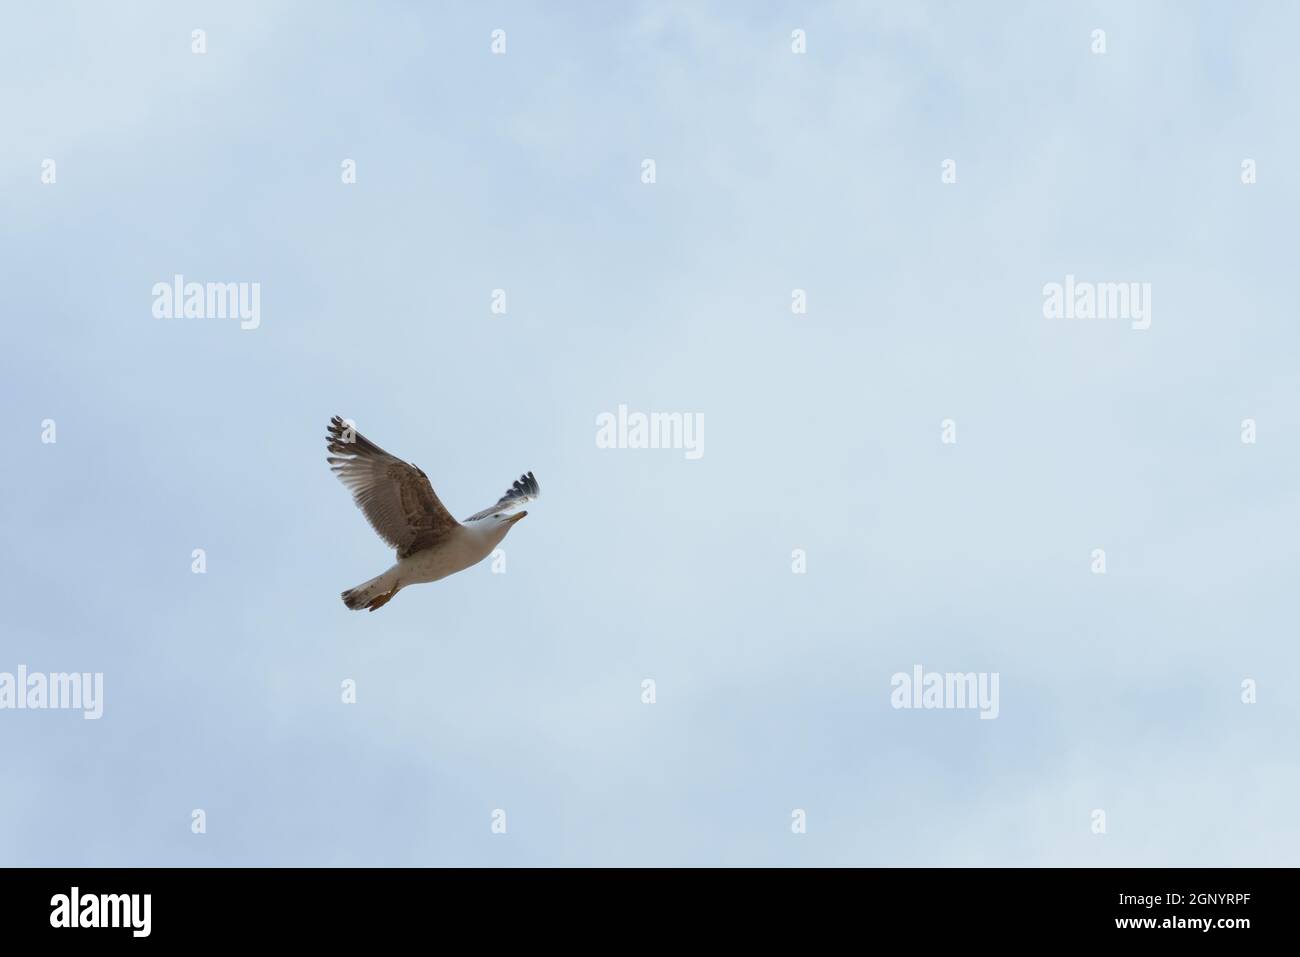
x=334, y=438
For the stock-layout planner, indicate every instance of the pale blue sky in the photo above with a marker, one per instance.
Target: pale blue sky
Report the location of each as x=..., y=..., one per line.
x=775, y=171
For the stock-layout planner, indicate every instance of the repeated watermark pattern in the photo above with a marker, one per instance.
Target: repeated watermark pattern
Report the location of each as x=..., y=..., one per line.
x=179, y=299
x=945, y=690
x=22, y=690
x=1078, y=299
x=623, y=429
x=406, y=512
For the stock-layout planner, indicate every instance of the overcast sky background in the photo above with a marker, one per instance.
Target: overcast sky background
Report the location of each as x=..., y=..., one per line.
x=775, y=171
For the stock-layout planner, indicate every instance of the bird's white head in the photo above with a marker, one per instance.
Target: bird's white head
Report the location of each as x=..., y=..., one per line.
x=492, y=529
x=493, y=523
x=503, y=522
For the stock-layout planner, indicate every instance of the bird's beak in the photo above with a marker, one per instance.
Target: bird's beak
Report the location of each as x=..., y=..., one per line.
x=515, y=518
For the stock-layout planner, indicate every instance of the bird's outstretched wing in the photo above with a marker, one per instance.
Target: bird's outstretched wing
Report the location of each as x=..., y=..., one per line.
x=395, y=496
x=524, y=490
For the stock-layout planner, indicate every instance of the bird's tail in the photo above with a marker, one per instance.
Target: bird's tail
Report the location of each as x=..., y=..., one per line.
x=376, y=593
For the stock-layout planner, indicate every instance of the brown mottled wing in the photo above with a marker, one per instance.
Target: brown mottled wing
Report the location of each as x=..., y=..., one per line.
x=524, y=490
x=395, y=496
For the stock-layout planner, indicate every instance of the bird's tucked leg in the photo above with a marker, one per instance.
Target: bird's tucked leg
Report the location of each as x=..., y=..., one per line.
x=384, y=599
x=374, y=593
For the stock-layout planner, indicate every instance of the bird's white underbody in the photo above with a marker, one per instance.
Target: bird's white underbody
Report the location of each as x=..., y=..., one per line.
x=465, y=546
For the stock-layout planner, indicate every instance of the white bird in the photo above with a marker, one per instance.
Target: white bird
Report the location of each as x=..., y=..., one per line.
x=402, y=507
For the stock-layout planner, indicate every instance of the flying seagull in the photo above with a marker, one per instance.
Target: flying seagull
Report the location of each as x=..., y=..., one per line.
x=403, y=509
